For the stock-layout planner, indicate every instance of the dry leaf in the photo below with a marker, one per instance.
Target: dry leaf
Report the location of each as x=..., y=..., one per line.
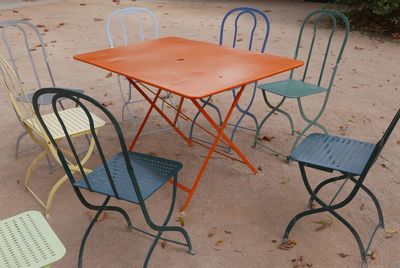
x=358, y=48
x=372, y=255
x=362, y=206
x=109, y=75
x=98, y=19
x=343, y=255
x=46, y=30
x=398, y=142
x=389, y=232
x=267, y=10
x=15, y=11
x=267, y=138
x=82, y=4
x=91, y=214
x=323, y=224
x=287, y=245
x=181, y=220
x=259, y=168
x=39, y=25
x=273, y=241
x=107, y=103
x=211, y=234
x=219, y=243
x=342, y=130
x=227, y=232
x=300, y=262
x=239, y=39
x=163, y=244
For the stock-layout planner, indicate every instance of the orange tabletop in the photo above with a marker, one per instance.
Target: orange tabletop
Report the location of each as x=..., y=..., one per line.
x=188, y=68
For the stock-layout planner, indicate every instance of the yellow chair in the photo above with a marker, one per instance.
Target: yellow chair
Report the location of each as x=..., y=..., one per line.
x=74, y=118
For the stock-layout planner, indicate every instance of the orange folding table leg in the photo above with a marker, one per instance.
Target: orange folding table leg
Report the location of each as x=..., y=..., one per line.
x=153, y=105
x=217, y=138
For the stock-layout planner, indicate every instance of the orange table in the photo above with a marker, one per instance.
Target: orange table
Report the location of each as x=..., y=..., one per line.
x=191, y=70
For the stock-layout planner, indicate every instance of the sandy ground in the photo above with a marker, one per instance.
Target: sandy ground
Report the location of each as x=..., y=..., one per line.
x=245, y=212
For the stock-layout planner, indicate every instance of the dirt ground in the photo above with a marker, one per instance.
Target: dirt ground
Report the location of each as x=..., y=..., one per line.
x=235, y=219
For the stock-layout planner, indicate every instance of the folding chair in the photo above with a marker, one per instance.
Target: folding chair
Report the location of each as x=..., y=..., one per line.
x=26, y=115
x=298, y=89
x=122, y=15
x=353, y=159
x=128, y=176
x=27, y=241
x=259, y=20
x=43, y=76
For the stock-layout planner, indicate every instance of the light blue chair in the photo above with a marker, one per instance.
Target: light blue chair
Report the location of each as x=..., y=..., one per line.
x=300, y=88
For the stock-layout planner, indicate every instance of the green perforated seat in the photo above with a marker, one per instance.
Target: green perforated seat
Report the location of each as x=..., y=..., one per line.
x=292, y=88
x=27, y=241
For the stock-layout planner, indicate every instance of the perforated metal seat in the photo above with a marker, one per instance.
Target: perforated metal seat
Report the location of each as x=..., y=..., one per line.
x=27, y=241
x=151, y=173
x=333, y=152
x=292, y=88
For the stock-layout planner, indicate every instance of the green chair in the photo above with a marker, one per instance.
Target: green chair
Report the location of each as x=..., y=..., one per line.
x=299, y=88
x=127, y=176
x=27, y=241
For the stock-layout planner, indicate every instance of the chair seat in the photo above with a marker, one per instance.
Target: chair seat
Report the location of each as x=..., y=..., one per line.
x=292, y=88
x=151, y=173
x=27, y=241
x=44, y=99
x=333, y=153
x=75, y=120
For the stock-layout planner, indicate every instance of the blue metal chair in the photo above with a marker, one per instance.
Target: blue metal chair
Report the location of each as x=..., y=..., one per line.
x=297, y=89
x=32, y=41
x=352, y=159
x=128, y=176
x=259, y=19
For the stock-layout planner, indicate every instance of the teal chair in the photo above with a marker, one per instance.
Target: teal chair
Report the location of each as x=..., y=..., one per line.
x=299, y=88
x=27, y=241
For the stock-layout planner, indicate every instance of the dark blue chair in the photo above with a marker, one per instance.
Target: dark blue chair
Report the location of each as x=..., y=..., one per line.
x=128, y=176
x=352, y=159
x=259, y=19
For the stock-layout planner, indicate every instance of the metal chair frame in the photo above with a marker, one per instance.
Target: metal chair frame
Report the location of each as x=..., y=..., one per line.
x=331, y=207
x=23, y=26
x=120, y=15
x=69, y=168
x=320, y=15
x=26, y=115
x=238, y=12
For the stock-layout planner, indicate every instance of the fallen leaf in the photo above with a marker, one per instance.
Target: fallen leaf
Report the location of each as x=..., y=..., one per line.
x=98, y=19
x=259, y=168
x=211, y=234
x=15, y=11
x=109, y=75
x=389, y=232
x=82, y=4
x=342, y=130
x=227, y=232
x=358, y=48
x=287, y=245
x=323, y=224
x=343, y=255
x=107, y=103
x=152, y=153
x=398, y=142
x=61, y=24
x=18, y=181
x=372, y=255
x=239, y=39
x=267, y=138
x=219, y=243
x=39, y=25
x=267, y=10
x=91, y=215
x=181, y=220
x=45, y=30
x=273, y=240
x=300, y=262
x=362, y=206
x=163, y=244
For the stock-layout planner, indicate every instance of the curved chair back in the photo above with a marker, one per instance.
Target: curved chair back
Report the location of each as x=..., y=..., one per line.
x=121, y=15
x=259, y=19
x=381, y=143
x=33, y=41
x=16, y=92
x=79, y=100
x=318, y=18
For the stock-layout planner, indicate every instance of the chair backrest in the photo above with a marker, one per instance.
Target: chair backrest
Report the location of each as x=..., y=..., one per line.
x=32, y=41
x=381, y=143
x=259, y=19
x=15, y=92
x=319, y=18
x=79, y=99
x=121, y=14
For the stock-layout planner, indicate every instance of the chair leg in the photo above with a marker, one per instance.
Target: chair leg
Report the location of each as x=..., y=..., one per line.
x=164, y=226
x=107, y=208
x=205, y=103
x=17, y=143
x=32, y=166
x=85, y=236
x=309, y=121
x=274, y=109
x=52, y=193
x=244, y=113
